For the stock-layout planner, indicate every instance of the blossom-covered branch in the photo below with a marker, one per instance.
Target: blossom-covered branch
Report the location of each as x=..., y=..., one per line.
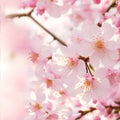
x=78, y=81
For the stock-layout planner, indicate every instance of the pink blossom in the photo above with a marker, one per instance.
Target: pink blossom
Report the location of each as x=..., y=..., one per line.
x=98, y=43
x=90, y=86
x=43, y=80
x=53, y=7
x=83, y=10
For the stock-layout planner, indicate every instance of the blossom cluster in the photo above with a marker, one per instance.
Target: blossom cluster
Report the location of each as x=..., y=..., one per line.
x=60, y=60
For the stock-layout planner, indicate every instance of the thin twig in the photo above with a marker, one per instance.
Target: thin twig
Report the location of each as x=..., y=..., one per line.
x=54, y=37
x=29, y=14
x=111, y=6
x=111, y=108
x=19, y=15
x=86, y=60
x=83, y=113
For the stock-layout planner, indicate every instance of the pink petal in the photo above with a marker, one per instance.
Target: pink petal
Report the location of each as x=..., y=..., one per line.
x=112, y=45
x=108, y=31
x=89, y=31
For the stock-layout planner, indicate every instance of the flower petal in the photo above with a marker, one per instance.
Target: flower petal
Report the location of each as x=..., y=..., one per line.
x=108, y=31
x=90, y=31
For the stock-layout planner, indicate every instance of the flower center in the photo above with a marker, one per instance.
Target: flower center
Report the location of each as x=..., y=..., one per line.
x=49, y=83
x=99, y=45
x=62, y=92
x=34, y=56
x=35, y=106
x=87, y=84
x=71, y=62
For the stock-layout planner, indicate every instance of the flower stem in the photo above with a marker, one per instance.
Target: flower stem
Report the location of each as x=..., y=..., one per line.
x=86, y=60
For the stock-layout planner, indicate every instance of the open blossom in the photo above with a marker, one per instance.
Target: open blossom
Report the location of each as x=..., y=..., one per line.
x=83, y=10
x=90, y=86
x=50, y=6
x=53, y=7
x=64, y=80
x=65, y=64
x=98, y=43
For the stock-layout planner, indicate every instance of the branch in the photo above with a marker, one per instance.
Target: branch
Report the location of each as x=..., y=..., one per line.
x=19, y=15
x=83, y=113
x=29, y=14
x=109, y=109
x=111, y=6
x=50, y=33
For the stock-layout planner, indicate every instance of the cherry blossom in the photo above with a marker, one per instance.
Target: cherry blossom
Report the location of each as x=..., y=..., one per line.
x=98, y=43
x=60, y=60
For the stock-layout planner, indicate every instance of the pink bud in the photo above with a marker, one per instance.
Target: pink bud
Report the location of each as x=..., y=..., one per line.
x=97, y=1
x=40, y=11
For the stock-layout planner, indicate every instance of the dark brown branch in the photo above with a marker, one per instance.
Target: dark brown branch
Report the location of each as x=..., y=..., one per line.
x=20, y=14
x=83, y=113
x=111, y=6
x=54, y=37
x=29, y=14
x=109, y=110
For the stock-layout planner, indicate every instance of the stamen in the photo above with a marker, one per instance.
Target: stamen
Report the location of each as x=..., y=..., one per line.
x=87, y=84
x=49, y=83
x=34, y=56
x=35, y=106
x=99, y=44
x=71, y=62
x=62, y=92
